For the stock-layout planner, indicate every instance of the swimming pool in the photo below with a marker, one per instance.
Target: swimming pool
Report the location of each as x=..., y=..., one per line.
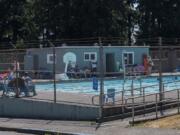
x=86, y=87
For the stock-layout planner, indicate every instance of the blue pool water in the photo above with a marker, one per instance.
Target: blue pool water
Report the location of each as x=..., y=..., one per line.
x=87, y=87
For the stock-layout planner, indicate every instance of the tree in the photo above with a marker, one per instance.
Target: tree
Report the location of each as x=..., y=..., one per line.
x=28, y=20
x=16, y=21
x=82, y=18
x=159, y=18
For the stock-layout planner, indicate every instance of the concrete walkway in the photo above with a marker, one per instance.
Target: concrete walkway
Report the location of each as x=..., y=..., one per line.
x=118, y=127
x=12, y=133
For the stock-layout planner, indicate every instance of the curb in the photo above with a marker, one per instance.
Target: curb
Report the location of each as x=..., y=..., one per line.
x=36, y=131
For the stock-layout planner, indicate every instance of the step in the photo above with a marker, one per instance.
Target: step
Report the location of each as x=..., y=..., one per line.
x=114, y=113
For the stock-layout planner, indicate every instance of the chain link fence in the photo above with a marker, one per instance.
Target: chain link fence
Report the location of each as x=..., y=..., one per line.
x=92, y=75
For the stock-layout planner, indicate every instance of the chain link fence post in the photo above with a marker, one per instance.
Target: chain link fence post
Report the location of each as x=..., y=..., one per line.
x=160, y=76
x=102, y=96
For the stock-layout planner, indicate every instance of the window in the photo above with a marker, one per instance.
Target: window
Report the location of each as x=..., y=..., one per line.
x=86, y=56
x=93, y=57
x=128, y=58
x=90, y=56
x=50, y=59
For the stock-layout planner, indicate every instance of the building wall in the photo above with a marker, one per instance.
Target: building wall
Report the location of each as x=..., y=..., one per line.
x=79, y=51
x=170, y=58
x=166, y=56
x=60, y=52
x=20, y=108
x=7, y=59
x=138, y=53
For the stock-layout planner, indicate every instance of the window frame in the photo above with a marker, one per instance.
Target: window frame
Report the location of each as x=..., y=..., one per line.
x=128, y=57
x=89, y=54
x=49, y=61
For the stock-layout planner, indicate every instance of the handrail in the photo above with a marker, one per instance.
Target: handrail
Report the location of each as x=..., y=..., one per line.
x=130, y=98
x=136, y=89
x=157, y=106
x=151, y=103
x=153, y=94
x=176, y=101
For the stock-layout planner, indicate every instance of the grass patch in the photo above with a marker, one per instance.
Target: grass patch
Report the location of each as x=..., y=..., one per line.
x=167, y=122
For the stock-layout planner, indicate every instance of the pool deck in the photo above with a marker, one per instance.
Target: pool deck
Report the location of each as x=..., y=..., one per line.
x=166, y=74
x=63, y=97
x=67, y=103
x=106, y=78
x=68, y=106
x=86, y=99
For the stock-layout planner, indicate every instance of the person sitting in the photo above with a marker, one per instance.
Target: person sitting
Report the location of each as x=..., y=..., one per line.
x=87, y=72
x=6, y=79
x=28, y=83
x=70, y=70
x=94, y=67
x=3, y=75
x=76, y=70
x=17, y=85
x=3, y=78
x=121, y=69
x=10, y=74
x=139, y=69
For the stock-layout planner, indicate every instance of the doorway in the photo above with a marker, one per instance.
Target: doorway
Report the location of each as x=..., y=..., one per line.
x=110, y=62
x=35, y=62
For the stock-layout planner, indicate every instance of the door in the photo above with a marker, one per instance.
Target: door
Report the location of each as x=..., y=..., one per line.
x=36, y=62
x=110, y=62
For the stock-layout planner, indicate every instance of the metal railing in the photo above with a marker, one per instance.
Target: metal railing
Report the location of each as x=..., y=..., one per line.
x=157, y=105
x=142, y=90
x=148, y=107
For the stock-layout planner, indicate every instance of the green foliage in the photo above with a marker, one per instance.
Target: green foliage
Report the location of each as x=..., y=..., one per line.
x=20, y=44
x=82, y=18
x=28, y=20
x=159, y=18
x=56, y=19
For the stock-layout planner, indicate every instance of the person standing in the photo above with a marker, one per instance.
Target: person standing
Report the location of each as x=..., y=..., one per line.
x=145, y=64
x=150, y=65
x=16, y=67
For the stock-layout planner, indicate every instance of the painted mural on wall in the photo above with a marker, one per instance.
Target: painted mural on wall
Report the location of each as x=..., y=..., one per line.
x=69, y=59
